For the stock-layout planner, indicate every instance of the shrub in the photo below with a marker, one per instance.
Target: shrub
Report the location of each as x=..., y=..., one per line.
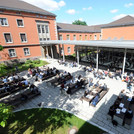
x=2, y=65
x=36, y=61
x=28, y=61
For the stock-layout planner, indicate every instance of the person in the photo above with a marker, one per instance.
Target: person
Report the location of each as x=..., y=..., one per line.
x=30, y=71
x=129, y=85
x=129, y=113
x=97, y=84
x=104, y=87
x=10, y=78
x=5, y=80
x=95, y=100
x=122, y=94
x=25, y=82
x=33, y=88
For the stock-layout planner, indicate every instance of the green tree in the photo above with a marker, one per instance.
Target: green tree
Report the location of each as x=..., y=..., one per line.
x=79, y=22
x=1, y=48
x=5, y=113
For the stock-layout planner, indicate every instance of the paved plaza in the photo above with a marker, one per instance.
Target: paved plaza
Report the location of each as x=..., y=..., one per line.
x=52, y=98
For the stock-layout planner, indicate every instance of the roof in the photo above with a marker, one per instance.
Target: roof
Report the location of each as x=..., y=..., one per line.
x=63, y=27
x=17, y=5
x=97, y=43
x=125, y=21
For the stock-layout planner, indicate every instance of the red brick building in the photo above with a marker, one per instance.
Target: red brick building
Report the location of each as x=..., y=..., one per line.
x=22, y=28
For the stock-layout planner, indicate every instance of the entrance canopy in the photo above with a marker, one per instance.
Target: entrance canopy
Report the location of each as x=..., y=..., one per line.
x=99, y=43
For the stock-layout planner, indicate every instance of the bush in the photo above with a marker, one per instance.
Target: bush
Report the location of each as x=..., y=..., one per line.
x=2, y=65
x=28, y=61
x=36, y=61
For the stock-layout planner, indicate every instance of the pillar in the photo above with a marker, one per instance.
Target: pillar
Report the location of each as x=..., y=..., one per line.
x=77, y=56
x=124, y=62
x=52, y=52
x=97, y=59
x=63, y=52
x=47, y=51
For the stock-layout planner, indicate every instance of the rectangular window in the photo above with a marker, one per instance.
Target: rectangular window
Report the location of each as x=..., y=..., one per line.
x=85, y=37
x=48, y=38
x=95, y=37
x=74, y=37
x=23, y=37
x=8, y=38
x=60, y=37
x=68, y=38
x=69, y=49
x=20, y=23
x=47, y=31
x=43, y=29
x=26, y=51
x=90, y=37
x=44, y=39
x=80, y=37
x=40, y=39
x=3, y=22
x=100, y=37
x=12, y=53
x=39, y=30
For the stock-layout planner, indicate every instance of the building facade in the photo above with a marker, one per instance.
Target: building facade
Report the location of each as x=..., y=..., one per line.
x=23, y=29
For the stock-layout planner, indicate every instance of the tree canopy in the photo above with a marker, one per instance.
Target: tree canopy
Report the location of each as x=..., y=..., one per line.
x=79, y=22
x=5, y=112
x=1, y=48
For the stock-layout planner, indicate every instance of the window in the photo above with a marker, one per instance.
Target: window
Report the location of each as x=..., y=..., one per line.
x=20, y=23
x=8, y=38
x=90, y=37
x=23, y=37
x=69, y=49
x=26, y=51
x=43, y=29
x=60, y=37
x=40, y=39
x=95, y=37
x=74, y=37
x=44, y=39
x=48, y=38
x=3, y=22
x=85, y=37
x=12, y=53
x=47, y=31
x=80, y=37
x=68, y=38
x=100, y=37
x=39, y=30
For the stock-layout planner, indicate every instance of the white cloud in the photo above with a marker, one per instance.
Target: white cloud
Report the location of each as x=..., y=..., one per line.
x=81, y=19
x=89, y=8
x=128, y=5
x=71, y=11
x=50, y=5
x=114, y=11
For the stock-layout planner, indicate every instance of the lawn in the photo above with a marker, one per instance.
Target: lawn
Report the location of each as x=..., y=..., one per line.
x=5, y=70
x=46, y=121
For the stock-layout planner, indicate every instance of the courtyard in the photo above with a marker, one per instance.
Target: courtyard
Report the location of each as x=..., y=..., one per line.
x=52, y=98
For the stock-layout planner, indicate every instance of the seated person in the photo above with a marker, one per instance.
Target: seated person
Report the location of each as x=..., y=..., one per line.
x=95, y=100
x=68, y=90
x=86, y=93
x=122, y=94
x=5, y=80
x=25, y=82
x=97, y=84
x=90, y=82
x=16, y=77
x=129, y=114
x=72, y=81
x=104, y=87
x=10, y=78
x=33, y=88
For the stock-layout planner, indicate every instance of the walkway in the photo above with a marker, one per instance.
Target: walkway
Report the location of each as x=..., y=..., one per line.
x=98, y=116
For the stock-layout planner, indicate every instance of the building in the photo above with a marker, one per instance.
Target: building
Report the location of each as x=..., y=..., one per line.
x=23, y=27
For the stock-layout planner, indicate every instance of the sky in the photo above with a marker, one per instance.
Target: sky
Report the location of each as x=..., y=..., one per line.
x=93, y=12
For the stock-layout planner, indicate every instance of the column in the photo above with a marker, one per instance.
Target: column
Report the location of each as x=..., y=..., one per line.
x=63, y=52
x=59, y=50
x=47, y=51
x=97, y=59
x=124, y=61
x=77, y=56
x=52, y=52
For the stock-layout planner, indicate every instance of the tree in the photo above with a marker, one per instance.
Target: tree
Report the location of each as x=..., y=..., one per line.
x=1, y=48
x=5, y=113
x=79, y=22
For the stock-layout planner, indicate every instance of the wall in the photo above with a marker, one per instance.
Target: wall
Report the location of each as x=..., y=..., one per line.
x=127, y=33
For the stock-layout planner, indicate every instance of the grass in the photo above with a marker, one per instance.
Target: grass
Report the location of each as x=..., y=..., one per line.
x=21, y=67
x=46, y=121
